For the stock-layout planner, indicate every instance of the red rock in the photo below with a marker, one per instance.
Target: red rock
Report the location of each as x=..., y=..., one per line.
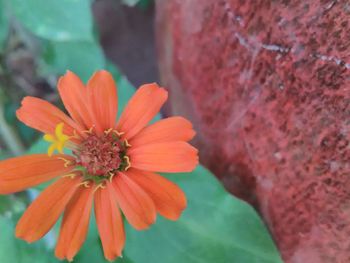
x=267, y=84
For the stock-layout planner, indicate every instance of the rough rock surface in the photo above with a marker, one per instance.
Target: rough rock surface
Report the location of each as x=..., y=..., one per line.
x=267, y=85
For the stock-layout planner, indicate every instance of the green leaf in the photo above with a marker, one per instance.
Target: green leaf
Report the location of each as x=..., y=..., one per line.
x=4, y=24
x=92, y=250
x=27, y=134
x=5, y=204
x=216, y=227
x=18, y=251
x=59, y=20
x=81, y=57
x=11, y=204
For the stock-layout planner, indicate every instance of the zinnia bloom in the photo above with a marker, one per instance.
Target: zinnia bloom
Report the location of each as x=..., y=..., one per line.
x=112, y=164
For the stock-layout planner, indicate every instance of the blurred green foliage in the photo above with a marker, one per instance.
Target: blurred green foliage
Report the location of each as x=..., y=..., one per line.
x=63, y=20
x=15, y=251
x=216, y=227
x=4, y=24
x=81, y=57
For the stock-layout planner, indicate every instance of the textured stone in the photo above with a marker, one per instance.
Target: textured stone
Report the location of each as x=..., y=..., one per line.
x=266, y=84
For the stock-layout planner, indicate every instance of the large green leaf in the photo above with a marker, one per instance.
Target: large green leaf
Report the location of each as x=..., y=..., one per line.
x=59, y=20
x=216, y=227
x=13, y=250
x=81, y=57
x=92, y=248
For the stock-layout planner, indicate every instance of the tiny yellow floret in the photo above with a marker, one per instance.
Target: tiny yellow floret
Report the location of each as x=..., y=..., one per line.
x=57, y=140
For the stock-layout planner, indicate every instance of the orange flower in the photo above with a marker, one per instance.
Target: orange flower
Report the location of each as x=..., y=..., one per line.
x=112, y=164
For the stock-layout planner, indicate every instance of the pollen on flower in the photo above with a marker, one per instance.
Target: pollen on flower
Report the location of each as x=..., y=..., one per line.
x=67, y=163
x=102, y=155
x=85, y=184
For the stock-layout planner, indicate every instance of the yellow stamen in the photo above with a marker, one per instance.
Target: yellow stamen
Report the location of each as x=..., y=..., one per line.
x=58, y=140
x=89, y=131
x=85, y=184
x=72, y=176
x=111, y=175
x=127, y=144
x=101, y=185
x=118, y=133
x=66, y=162
x=75, y=135
x=108, y=131
x=128, y=162
x=71, y=145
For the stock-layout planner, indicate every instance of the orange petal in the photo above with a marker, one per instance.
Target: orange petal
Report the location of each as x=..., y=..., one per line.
x=75, y=223
x=17, y=174
x=166, y=130
x=136, y=205
x=168, y=198
x=141, y=108
x=74, y=97
x=43, y=116
x=43, y=213
x=109, y=222
x=103, y=100
x=168, y=157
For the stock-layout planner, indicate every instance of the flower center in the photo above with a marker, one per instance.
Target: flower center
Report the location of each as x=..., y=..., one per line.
x=102, y=155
